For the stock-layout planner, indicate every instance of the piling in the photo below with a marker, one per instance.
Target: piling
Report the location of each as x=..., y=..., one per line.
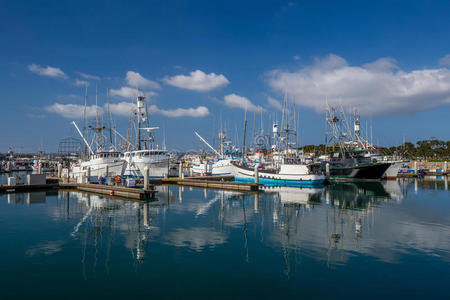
x=256, y=174
x=206, y=167
x=327, y=170
x=88, y=174
x=59, y=170
x=40, y=168
x=180, y=173
x=146, y=178
x=415, y=167
x=106, y=170
x=146, y=223
x=445, y=166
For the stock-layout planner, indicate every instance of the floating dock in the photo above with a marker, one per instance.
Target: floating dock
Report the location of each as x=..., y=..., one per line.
x=139, y=193
x=111, y=190
x=215, y=182
x=4, y=188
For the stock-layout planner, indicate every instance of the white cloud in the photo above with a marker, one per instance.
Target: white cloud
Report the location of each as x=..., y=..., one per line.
x=378, y=88
x=198, y=81
x=47, y=71
x=88, y=76
x=137, y=80
x=199, y=112
x=274, y=103
x=74, y=111
x=445, y=61
x=122, y=108
x=79, y=82
x=236, y=101
x=130, y=93
x=297, y=57
x=125, y=92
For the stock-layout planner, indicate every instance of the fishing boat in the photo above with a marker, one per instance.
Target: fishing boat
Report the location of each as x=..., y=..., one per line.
x=222, y=164
x=99, y=163
x=146, y=155
x=294, y=174
x=104, y=161
x=354, y=165
x=351, y=156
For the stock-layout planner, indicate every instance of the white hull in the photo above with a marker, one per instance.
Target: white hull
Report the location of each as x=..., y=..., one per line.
x=157, y=162
x=219, y=167
x=98, y=167
x=201, y=169
x=222, y=167
x=159, y=169
x=393, y=170
x=289, y=175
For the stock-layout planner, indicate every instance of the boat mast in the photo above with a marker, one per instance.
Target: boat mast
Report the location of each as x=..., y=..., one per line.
x=245, y=132
x=84, y=113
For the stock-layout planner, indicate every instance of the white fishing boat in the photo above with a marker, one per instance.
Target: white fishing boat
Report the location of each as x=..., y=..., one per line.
x=101, y=162
x=298, y=174
x=146, y=153
x=221, y=165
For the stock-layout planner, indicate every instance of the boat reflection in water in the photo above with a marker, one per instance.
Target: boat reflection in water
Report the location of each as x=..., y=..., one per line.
x=101, y=220
x=333, y=224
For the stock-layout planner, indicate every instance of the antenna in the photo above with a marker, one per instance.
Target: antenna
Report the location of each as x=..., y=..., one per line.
x=109, y=116
x=84, y=113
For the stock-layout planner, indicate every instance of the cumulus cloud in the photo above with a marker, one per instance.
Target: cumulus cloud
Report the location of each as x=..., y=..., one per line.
x=274, y=103
x=74, y=111
x=236, y=101
x=130, y=93
x=445, y=61
x=122, y=108
x=198, y=81
x=47, y=71
x=88, y=76
x=137, y=80
x=378, y=88
x=79, y=82
x=124, y=92
x=198, y=112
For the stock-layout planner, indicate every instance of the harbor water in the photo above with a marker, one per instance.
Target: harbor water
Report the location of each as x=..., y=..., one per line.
x=355, y=240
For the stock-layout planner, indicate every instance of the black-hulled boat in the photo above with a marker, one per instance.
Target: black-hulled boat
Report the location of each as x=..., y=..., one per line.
x=354, y=165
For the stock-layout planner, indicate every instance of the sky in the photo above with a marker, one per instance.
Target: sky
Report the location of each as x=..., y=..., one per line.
x=202, y=64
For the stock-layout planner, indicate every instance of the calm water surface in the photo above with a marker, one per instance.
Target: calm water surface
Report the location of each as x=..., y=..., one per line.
x=371, y=240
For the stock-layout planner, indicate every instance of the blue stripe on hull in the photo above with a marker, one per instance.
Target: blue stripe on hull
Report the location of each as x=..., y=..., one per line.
x=277, y=182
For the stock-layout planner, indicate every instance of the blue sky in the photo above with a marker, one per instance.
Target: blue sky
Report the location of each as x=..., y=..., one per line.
x=204, y=61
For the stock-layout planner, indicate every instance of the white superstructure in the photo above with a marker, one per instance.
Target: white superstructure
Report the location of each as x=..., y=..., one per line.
x=146, y=154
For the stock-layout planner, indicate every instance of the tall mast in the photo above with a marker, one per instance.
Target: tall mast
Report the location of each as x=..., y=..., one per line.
x=84, y=113
x=96, y=118
x=245, y=132
x=138, y=146
x=109, y=116
x=142, y=118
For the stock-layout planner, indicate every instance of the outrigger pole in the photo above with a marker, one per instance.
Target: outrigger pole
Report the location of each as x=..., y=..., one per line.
x=84, y=140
